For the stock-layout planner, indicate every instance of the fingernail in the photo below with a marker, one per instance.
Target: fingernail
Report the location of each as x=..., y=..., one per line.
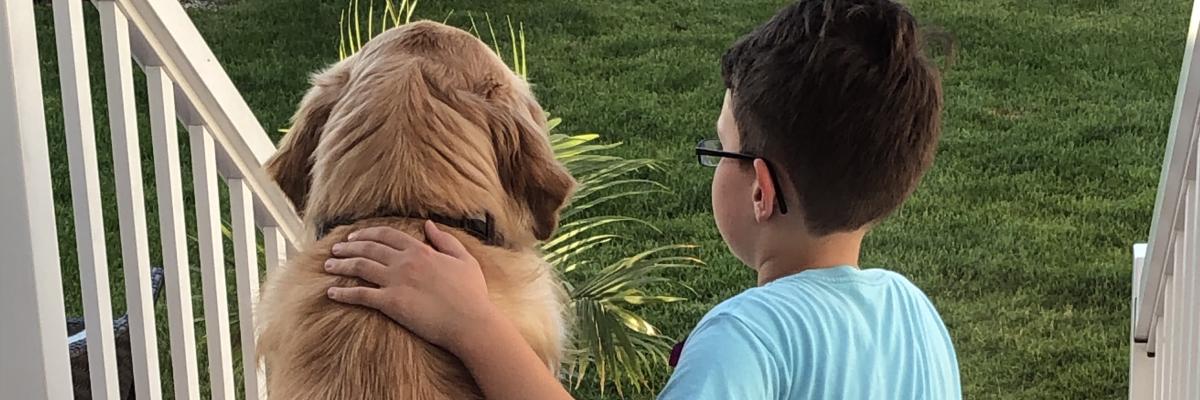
x=337, y=248
x=331, y=293
x=328, y=264
x=352, y=235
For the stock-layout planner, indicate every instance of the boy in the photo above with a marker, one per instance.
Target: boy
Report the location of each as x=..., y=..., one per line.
x=831, y=116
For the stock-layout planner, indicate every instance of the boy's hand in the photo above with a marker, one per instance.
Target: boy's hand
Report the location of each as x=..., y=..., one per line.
x=438, y=294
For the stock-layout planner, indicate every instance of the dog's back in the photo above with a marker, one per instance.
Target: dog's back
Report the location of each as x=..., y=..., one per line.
x=317, y=349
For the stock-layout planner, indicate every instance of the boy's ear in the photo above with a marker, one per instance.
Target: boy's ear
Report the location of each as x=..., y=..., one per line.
x=765, y=192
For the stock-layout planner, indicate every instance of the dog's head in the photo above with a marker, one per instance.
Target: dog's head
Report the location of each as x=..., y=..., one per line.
x=426, y=119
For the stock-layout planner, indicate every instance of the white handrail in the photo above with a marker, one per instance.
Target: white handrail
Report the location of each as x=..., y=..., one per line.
x=1165, y=320
x=178, y=46
x=223, y=130
x=1180, y=155
x=185, y=84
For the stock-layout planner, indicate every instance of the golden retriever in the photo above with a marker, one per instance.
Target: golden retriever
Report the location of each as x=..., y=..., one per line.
x=424, y=122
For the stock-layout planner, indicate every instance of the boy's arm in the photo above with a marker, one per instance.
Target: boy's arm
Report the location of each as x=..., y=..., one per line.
x=504, y=366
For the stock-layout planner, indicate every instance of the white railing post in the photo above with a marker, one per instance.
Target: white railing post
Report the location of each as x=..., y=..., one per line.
x=212, y=264
x=1186, y=309
x=241, y=210
x=1193, y=284
x=1176, y=309
x=1160, y=360
x=169, y=184
x=33, y=341
x=85, y=194
x=1141, y=366
x=1163, y=351
x=275, y=246
x=127, y=168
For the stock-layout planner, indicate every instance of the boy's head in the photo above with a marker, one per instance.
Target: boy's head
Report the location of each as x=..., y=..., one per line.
x=839, y=100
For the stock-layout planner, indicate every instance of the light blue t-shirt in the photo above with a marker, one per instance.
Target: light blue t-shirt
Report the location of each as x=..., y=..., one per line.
x=832, y=333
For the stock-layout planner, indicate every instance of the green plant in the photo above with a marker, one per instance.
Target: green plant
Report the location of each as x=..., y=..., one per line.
x=616, y=344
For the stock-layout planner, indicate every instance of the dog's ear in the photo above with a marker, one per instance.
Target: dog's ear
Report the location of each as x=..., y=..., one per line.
x=527, y=165
x=291, y=166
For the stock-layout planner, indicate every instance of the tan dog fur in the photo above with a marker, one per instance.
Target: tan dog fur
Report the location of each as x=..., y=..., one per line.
x=425, y=119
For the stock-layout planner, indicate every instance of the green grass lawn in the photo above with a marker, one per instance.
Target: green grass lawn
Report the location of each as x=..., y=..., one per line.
x=1054, y=131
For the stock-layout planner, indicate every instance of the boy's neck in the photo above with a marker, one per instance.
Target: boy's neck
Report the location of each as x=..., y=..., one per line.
x=792, y=254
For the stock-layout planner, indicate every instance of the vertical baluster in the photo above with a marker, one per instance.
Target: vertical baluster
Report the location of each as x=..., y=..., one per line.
x=1162, y=351
x=1185, y=274
x=1141, y=367
x=276, y=247
x=212, y=263
x=33, y=338
x=1181, y=274
x=177, y=270
x=1171, y=302
x=118, y=71
x=1178, y=310
x=85, y=196
x=246, y=262
x=1192, y=316
x=170, y=212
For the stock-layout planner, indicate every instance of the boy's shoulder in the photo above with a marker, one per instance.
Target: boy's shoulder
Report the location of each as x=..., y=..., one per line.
x=810, y=297
x=795, y=288
x=805, y=331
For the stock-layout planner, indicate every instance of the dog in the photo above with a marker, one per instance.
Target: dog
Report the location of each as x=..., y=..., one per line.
x=424, y=122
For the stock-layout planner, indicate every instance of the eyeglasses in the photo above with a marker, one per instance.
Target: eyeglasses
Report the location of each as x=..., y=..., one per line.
x=709, y=154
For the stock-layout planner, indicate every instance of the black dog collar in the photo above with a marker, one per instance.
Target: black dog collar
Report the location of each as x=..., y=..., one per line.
x=483, y=228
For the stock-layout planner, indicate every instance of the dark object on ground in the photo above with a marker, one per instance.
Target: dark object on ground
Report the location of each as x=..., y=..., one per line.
x=80, y=379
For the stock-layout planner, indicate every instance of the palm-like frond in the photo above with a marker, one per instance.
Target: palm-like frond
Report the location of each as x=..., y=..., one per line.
x=617, y=345
x=613, y=343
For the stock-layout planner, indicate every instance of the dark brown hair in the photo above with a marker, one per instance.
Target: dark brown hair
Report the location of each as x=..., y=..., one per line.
x=840, y=95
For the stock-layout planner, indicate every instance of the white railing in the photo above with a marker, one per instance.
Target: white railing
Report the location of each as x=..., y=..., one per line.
x=185, y=85
x=1165, y=304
